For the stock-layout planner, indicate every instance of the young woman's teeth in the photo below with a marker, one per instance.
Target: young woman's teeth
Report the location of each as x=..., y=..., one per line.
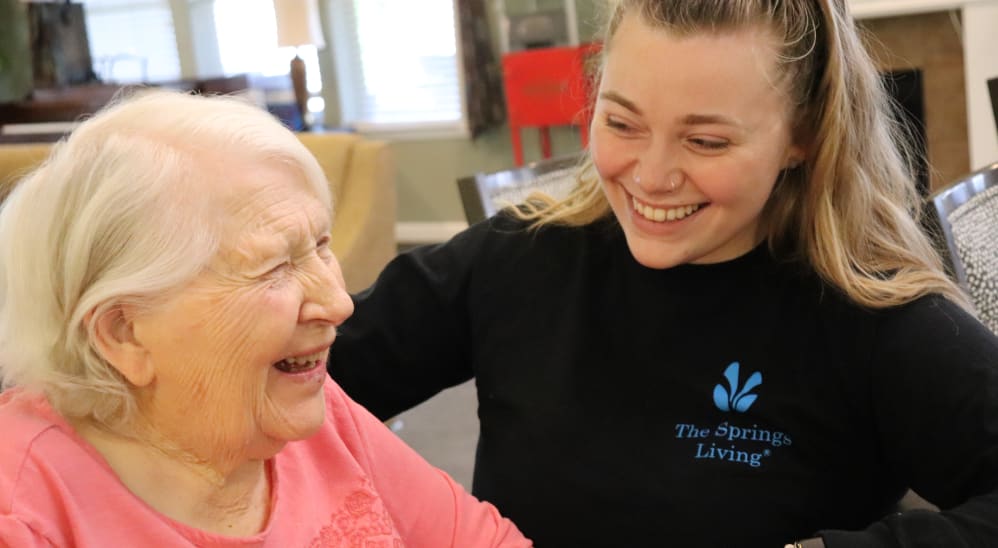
x=658, y=214
x=300, y=363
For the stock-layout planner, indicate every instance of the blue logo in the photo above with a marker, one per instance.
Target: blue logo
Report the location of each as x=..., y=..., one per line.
x=738, y=399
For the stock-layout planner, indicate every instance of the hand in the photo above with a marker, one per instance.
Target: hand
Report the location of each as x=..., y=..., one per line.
x=807, y=543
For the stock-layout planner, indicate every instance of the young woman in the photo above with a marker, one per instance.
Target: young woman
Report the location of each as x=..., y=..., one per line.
x=733, y=332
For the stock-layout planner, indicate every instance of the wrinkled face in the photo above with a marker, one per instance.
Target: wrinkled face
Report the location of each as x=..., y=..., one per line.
x=239, y=354
x=689, y=136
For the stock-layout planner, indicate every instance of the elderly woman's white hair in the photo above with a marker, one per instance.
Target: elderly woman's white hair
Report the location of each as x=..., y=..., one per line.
x=119, y=214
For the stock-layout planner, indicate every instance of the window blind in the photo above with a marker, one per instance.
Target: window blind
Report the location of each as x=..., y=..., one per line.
x=397, y=63
x=132, y=40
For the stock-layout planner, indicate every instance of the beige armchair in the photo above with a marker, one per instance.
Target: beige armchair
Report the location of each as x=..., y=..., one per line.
x=361, y=174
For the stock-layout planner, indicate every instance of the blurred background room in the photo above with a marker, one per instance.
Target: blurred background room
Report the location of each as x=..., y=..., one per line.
x=402, y=98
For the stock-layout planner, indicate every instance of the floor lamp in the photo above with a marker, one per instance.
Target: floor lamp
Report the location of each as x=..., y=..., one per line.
x=298, y=25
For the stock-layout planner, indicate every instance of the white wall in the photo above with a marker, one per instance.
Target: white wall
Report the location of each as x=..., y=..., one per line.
x=980, y=43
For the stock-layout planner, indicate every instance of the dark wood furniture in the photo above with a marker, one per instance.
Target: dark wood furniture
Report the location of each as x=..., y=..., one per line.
x=73, y=103
x=484, y=194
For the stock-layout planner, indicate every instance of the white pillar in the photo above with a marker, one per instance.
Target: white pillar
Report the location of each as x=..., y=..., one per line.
x=980, y=63
x=572, y=21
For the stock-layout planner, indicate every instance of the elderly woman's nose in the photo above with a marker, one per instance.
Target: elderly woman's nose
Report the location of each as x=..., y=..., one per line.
x=325, y=296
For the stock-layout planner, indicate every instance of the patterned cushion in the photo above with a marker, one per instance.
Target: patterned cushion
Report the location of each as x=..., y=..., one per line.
x=975, y=232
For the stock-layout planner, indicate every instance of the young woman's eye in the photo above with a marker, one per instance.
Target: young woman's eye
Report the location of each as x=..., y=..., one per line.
x=615, y=123
x=709, y=144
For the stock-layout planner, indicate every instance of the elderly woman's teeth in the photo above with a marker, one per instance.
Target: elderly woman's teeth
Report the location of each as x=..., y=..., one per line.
x=296, y=364
x=659, y=214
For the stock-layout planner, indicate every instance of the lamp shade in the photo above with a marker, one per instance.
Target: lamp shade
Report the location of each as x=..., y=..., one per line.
x=298, y=23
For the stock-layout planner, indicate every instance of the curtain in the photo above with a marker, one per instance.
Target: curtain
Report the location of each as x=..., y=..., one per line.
x=482, y=71
x=15, y=52
x=59, y=46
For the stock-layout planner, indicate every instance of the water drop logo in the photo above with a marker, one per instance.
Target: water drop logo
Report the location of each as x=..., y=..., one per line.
x=732, y=397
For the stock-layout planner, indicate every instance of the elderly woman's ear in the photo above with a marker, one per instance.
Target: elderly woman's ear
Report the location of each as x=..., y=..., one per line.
x=114, y=338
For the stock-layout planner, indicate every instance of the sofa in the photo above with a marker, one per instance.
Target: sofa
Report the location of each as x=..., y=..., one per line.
x=361, y=175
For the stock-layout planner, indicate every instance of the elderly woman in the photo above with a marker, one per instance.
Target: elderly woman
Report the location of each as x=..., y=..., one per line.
x=167, y=299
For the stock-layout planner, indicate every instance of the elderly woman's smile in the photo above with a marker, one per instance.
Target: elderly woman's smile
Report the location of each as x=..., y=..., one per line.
x=303, y=364
x=250, y=333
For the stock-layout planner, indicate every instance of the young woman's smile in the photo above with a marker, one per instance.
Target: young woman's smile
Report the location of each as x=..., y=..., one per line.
x=665, y=213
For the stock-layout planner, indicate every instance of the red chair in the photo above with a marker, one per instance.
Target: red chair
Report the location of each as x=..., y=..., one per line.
x=547, y=87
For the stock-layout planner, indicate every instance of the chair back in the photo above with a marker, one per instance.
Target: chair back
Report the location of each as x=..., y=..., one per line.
x=968, y=216
x=993, y=92
x=484, y=194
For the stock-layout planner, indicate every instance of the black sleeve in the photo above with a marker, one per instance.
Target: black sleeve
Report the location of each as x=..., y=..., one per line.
x=935, y=397
x=408, y=336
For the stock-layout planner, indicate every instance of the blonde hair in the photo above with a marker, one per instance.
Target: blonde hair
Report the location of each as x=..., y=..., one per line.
x=119, y=213
x=851, y=210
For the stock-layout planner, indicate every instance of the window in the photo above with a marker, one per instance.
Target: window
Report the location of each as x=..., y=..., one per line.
x=132, y=40
x=397, y=64
x=397, y=61
x=247, y=42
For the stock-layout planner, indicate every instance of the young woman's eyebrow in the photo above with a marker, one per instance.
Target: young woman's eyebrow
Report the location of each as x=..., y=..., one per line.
x=704, y=119
x=688, y=120
x=621, y=100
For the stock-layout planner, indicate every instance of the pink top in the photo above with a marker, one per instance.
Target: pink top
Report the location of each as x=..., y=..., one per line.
x=353, y=483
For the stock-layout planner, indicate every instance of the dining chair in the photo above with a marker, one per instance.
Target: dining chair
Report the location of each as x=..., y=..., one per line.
x=549, y=86
x=968, y=215
x=484, y=194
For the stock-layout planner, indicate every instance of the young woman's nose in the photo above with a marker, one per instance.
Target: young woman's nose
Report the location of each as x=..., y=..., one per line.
x=658, y=171
x=325, y=295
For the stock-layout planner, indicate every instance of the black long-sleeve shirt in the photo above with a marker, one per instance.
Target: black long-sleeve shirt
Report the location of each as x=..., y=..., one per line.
x=742, y=404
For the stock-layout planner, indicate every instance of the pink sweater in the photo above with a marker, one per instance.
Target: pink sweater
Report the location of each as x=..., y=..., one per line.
x=353, y=483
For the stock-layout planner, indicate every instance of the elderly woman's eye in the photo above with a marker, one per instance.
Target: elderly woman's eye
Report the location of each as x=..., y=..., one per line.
x=279, y=269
